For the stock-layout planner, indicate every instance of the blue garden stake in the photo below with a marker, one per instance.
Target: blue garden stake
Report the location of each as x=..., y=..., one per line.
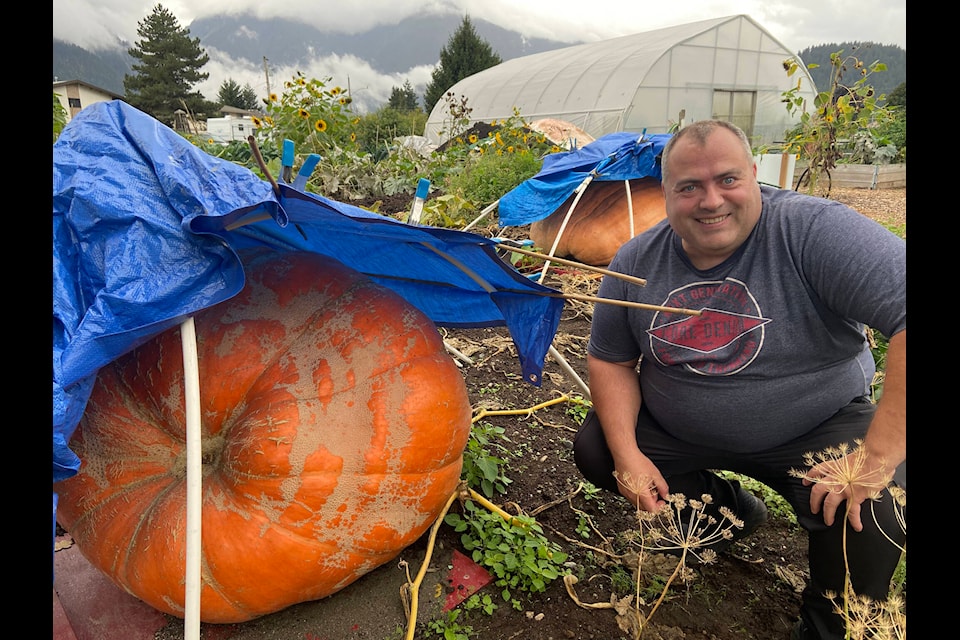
x=305, y=170
x=286, y=161
x=423, y=187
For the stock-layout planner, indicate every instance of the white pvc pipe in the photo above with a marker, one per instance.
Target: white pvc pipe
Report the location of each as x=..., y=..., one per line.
x=570, y=372
x=191, y=383
x=563, y=226
x=490, y=207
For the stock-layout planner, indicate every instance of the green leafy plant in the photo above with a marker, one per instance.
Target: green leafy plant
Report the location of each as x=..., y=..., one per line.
x=481, y=469
x=514, y=551
x=59, y=116
x=449, y=628
x=776, y=504
x=480, y=602
x=578, y=410
x=497, y=163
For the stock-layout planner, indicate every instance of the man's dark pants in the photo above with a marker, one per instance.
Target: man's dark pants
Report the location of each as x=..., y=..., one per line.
x=872, y=557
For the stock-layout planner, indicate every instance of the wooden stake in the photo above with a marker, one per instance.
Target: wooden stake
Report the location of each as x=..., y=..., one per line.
x=578, y=265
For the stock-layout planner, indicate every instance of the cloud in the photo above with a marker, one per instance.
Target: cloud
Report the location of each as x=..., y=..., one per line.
x=369, y=88
x=100, y=23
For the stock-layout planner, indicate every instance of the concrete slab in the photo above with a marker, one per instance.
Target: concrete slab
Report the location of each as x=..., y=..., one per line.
x=94, y=607
x=88, y=606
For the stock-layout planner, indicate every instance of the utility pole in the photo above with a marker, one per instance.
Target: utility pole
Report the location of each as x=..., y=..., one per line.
x=266, y=73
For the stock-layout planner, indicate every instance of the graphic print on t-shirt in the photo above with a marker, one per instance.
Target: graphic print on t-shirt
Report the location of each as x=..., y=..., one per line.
x=724, y=339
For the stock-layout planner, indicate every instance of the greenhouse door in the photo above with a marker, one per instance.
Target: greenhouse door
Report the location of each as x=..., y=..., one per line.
x=737, y=107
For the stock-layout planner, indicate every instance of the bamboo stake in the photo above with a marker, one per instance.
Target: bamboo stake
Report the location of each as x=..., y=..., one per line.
x=580, y=265
x=623, y=303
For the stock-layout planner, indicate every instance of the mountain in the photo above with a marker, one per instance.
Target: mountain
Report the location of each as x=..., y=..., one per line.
x=104, y=69
x=394, y=49
x=867, y=52
x=391, y=50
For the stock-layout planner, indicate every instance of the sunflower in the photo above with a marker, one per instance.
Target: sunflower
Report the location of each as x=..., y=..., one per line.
x=353, y=137
x=473, y=138
x=273, y=97
x=303, y=113
x=256, y=122
x=320, y=125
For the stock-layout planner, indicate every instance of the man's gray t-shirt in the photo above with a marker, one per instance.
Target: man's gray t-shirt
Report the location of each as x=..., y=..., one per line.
x=779, y=346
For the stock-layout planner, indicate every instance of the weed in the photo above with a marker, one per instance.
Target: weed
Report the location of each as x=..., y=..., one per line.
x=481, y=469
x=448, y=628
x=578, y=411
x=515, y=552
x=482, y=602
x=849, y=470
x=776, y=504
x=583, y=527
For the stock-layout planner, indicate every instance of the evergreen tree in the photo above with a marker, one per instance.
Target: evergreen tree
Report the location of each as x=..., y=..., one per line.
x=168, y=63
x=464, y=55
x=403, y=99
x=231, y=95
x=898, y=97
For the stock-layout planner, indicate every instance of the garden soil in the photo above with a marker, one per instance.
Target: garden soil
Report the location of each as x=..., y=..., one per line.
x=752, y=592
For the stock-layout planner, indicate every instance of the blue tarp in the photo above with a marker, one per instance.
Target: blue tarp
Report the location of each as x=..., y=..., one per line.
x=146, y=229
x=615, y=156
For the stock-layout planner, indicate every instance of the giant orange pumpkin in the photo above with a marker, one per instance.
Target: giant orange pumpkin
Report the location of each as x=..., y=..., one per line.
x=333, y=427
x=600, y=223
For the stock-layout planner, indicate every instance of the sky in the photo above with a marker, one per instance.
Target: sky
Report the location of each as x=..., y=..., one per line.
x=797, y=24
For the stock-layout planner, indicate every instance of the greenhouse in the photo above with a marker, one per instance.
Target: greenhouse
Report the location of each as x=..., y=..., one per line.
x=729, y=68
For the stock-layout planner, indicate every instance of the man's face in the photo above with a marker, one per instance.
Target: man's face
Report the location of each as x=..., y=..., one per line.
x=712, y=198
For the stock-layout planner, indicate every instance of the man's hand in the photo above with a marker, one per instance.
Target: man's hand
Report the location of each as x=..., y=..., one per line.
x=641, y=483
x=853, y=478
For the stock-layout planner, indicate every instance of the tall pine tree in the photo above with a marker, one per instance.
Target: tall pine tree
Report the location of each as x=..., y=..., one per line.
x=464, y=55
x=231, y=95
x=403, y=99
x=167, y=68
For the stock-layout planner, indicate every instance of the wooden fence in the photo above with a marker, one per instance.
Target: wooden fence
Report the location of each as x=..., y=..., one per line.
x=864, y=176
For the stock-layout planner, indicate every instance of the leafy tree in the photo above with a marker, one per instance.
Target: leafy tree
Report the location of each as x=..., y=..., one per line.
x=167, y=68
x=231, y=95
x=59, y=116
x=898, y=97
x=464, y=55
x=377, y=131
x=818, y=61
x=403, y=99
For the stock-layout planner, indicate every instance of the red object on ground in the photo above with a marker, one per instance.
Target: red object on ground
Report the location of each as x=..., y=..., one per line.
x=466, y=578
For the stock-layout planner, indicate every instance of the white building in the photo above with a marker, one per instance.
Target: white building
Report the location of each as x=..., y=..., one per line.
x=74, y=95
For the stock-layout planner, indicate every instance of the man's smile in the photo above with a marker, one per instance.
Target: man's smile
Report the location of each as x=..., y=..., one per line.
x=714, y=220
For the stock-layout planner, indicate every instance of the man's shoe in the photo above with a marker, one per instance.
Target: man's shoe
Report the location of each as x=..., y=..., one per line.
x=752, y=511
